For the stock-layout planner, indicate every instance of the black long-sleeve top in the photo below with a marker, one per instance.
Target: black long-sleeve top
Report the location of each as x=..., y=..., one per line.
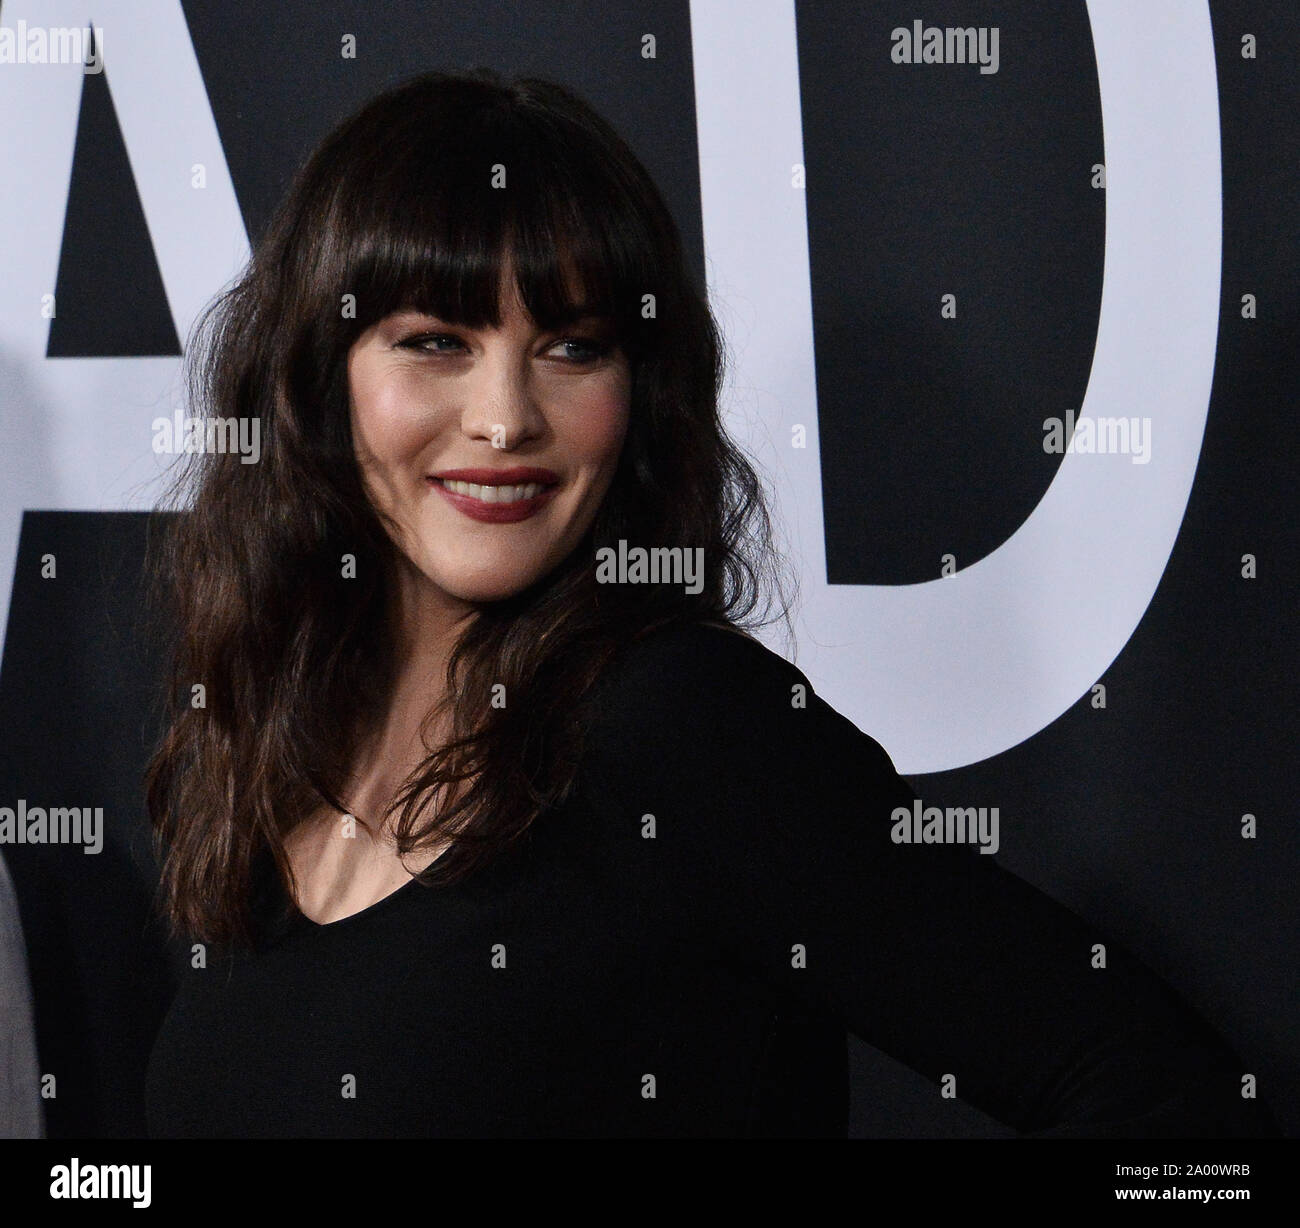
x=679, y=950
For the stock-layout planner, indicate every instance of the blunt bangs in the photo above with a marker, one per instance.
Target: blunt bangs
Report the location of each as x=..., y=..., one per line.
x=450, y=201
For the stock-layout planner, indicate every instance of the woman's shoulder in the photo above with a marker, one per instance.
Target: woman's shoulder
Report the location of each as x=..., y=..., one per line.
x=706, y=686
x=691, y=704
x=708, y=638
x=701, y=664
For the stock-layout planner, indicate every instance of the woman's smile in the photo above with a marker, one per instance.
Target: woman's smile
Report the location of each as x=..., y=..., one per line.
x=496, y=497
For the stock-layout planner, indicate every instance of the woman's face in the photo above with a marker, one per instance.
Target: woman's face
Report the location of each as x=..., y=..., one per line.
x=492, y=449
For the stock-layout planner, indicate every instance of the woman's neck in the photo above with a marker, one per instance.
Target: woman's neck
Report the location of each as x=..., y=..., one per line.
x=425, y=624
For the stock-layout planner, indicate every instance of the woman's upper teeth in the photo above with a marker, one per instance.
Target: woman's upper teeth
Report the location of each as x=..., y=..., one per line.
x=493, y=494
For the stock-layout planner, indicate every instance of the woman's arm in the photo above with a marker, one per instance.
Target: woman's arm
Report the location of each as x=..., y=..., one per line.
x=778, y=818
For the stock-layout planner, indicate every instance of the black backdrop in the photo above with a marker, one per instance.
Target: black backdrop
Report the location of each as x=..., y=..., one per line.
x=1130, y=816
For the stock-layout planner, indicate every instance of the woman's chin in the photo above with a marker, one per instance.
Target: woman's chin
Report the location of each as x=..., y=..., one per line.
x=480, y=587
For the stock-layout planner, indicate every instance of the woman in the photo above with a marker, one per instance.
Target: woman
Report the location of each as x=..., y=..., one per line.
x=485, y=844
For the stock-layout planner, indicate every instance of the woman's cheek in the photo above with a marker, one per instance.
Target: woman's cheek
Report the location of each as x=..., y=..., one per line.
x=604, y=426
x=394, y=418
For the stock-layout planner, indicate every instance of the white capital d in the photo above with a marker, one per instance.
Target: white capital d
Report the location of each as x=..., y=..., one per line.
x=951, y=671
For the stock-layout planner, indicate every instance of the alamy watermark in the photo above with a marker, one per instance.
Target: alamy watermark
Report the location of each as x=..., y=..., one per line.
x=57, y=825
x=924, y=44
x=24, y=44
x=952, y=825
x=124, y=1181
x=1125, y=436
x=179, y=434
x=657, y=565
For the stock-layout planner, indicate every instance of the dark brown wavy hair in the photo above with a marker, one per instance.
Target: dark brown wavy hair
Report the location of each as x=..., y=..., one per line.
x=395, y=208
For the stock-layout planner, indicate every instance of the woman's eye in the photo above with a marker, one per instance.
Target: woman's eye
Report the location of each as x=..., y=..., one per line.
x=575, y=350
x=582, y=349
x=429, y=342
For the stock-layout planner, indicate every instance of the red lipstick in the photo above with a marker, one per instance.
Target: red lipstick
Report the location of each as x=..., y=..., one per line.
x=518, y=476
x=496, y=513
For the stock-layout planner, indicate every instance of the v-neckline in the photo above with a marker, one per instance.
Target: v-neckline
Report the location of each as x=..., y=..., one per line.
x=369, y=909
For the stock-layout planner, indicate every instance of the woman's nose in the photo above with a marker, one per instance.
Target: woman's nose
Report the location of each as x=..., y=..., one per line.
x=502, y=404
